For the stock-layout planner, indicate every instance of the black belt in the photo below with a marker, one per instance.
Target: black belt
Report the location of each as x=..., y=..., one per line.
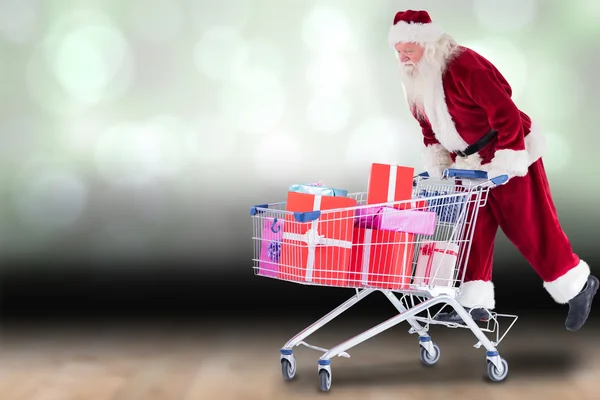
x=478, y=145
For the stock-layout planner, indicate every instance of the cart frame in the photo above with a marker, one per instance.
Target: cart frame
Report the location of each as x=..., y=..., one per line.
x=426, y=297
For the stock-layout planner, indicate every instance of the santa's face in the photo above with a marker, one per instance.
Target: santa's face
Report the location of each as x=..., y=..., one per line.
x=409, y=55
x=418, y=72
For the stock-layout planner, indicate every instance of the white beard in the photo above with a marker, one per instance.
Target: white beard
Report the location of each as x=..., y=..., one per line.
x=419, y=82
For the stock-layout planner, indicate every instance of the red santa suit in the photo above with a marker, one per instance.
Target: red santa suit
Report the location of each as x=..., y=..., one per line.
x=470, y=98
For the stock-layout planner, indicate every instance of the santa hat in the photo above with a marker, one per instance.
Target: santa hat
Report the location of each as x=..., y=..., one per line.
x=413, y=27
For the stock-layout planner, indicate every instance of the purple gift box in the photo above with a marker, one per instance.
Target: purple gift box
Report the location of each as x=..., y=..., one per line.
x=270, y=247
x=391, y=219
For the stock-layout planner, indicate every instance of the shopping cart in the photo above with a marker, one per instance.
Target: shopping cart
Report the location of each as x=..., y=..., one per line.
x=426, y=268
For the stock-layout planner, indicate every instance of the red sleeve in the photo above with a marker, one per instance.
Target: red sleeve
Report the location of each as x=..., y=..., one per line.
x=493, y=94
x=490, y=91
x=429, y=138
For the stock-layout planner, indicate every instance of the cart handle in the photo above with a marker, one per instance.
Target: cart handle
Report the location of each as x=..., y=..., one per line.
x=301, y=217
x=470, y=174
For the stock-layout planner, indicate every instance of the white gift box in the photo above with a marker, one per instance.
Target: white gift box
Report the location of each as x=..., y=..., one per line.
x=436, y=264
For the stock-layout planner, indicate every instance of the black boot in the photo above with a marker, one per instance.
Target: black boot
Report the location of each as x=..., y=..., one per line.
x=478, y=314
x=581, y=305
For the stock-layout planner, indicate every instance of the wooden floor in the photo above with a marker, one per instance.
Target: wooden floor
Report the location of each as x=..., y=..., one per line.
x=150, y=363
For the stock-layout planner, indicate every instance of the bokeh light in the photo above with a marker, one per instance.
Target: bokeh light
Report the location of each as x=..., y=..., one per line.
x=258, y=52
x=118, y=121
x=326, y=29
x=383, y=140
x=254, y=99
x=217, y=50
x=139, y=153
x=278, y=156
x=328, y=72
x=506, y=16
x=87, y=60
x=329, y=112
x=50, y=199
x=83, y=61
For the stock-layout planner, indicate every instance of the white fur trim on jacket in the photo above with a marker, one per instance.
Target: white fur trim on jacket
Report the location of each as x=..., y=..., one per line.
x=414, y=33
x=436, y=159
x=440, y=119
x=477, y=294
x=513, y=163
x=570, y=284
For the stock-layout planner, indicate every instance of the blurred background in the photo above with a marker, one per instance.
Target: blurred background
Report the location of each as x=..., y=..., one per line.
x=145, y=129
x=135, y=135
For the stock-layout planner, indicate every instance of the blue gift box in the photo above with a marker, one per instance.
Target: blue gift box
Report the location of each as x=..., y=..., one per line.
x=318, y=190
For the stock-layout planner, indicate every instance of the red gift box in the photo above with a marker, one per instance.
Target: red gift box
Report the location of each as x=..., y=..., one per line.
x=414, y=204
x=381, y=259
x=317, y=251
x=389, y=183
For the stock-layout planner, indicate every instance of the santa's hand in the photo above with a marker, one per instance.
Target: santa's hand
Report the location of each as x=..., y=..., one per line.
x=437, y=171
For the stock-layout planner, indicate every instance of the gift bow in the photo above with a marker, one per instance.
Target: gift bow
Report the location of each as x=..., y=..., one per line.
x=312, y=238
x=428, y=250
x=274, y=250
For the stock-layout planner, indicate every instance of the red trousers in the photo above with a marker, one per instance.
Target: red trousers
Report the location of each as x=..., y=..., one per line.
x=524, y=210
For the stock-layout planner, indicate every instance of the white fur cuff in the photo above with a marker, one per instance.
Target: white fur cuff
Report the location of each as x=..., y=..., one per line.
x=570, y=284
x=477, y=294
x=510, y=162
x=436, y=156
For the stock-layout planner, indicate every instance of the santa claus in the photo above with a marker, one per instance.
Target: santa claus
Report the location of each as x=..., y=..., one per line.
x=464, y=108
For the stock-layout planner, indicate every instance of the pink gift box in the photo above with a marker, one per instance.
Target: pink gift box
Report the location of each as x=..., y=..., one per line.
x=391, y=219
x=270, y=247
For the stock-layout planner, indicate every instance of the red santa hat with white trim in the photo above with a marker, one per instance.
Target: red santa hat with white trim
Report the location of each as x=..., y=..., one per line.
x=413, y=27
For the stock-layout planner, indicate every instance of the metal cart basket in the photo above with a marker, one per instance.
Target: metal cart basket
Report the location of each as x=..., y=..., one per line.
x=415, y=271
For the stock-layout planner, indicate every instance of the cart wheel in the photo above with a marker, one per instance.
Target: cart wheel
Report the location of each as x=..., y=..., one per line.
x=428, y=359
x=493, y=372
x=288, y=370
x=324, y=380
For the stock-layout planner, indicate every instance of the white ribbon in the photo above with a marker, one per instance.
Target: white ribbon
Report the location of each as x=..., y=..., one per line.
x=313, y=239
x=392, y=183
x=366, y=256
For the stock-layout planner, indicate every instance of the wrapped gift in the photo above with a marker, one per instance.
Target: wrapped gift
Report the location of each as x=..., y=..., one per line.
x=381, y=259
x=391, y=219
x=317, y=251
x=389, y=183
x=436, y=264
x=413, y=204
x=318, y=189
x=270, y=249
